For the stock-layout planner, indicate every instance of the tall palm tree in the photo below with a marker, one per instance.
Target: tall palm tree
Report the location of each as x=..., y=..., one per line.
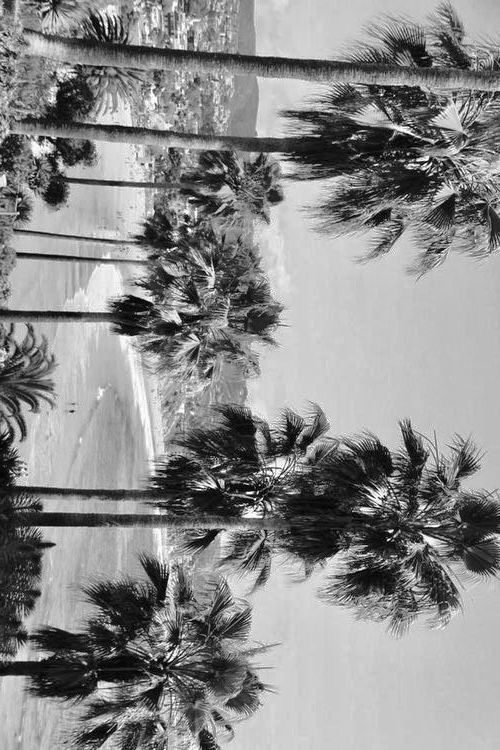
x=135, y=57
x=24, y=379
x=222, y=184
x=177, y=663
x=395, y=528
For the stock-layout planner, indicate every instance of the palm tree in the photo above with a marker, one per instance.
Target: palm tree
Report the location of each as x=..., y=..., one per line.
x=222, y=184
x=135, y=57
x=208, y=301
x=177, y=663
x=396, y=528
x=21, y=552
x=225, y=186
x=24, y=379
x=211, y=295
x=407, y=158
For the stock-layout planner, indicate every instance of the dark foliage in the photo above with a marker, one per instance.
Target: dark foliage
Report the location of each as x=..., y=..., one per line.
x=403, y=158
x=177, y=664
x=396, y=526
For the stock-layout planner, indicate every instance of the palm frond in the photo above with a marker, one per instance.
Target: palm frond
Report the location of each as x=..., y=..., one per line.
x=483, y=557
x=158, y=573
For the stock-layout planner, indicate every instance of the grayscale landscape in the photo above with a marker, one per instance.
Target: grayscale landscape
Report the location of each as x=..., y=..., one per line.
x=249, y=356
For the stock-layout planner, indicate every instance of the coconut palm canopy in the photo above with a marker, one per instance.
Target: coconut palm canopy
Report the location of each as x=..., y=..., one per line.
x=396, y=528
x=233, y=189
x=406, y=158
x=157, y=662
x=24, y=379
x=210, y=300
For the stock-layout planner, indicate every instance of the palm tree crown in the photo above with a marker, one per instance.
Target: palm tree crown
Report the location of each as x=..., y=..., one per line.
x=232, y=189
x=110, y=86
x=156, y=662
x=210, y=300
x=407, y=158
x=396, y=527
x=24, y=378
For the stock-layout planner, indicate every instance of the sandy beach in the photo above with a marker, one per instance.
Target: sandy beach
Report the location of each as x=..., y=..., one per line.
x=104, y=430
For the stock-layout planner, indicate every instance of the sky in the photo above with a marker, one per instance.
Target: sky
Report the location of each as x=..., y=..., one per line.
x=372, y=346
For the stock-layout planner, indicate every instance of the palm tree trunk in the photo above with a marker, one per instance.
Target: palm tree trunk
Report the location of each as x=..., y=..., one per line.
x=87, y=52
x=161, y=138
x=78, y=258
x=57, y=316
x=44, y=519
x=77, y=237
x=142, y=185
x=22, y=668
x=65, y=493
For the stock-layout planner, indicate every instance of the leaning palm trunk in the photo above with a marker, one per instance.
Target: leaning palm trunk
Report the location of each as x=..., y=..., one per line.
x=62, y=257
x=161, y=138
x=200, y=521
x=76, y=237
x=135, y=57
x=57, y=316
x=140, y=185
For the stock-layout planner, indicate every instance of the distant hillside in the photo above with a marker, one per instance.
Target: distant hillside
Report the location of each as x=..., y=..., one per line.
x=245, y=101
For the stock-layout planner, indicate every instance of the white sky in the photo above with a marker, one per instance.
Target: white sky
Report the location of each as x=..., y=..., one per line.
x=371, y=346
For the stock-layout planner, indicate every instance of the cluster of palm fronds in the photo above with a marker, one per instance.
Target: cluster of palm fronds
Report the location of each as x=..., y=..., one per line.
x=25, y=368
x=396, y=527
x=111, y=86
x=407, y=158
x=21, y=552
x=61, y=15
x=233, y=189
x=176, y=663
x=209, y=301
